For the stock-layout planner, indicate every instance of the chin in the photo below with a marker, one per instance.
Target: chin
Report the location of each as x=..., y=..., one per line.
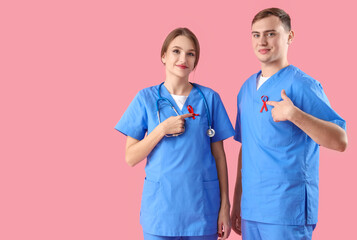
x=264, y=60
x=182, y=74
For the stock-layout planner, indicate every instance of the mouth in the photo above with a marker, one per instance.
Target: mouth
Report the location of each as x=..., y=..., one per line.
x=263, y=51
x=182, y=66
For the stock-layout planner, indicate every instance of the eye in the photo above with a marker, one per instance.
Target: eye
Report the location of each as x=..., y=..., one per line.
x=176, y=51
x=256, y=35
x=191, y=54
x=271, y=34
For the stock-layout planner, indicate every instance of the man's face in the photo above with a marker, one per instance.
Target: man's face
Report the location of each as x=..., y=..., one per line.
x=270, y=40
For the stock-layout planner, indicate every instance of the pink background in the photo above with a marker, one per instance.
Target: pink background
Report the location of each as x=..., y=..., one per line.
x=69, y=69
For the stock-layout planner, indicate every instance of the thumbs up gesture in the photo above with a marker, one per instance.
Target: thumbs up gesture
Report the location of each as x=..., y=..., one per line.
x=283, y=110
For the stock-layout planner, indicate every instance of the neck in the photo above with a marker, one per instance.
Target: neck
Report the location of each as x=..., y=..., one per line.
x=178, y=86
x=270, y=69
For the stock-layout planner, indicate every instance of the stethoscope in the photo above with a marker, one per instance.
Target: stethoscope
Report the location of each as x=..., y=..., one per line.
x=210, y=131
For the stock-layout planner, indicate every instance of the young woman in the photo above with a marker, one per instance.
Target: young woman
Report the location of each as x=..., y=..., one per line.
x=185, y=192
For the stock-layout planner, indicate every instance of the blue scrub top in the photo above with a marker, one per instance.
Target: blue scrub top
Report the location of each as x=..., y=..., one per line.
x=280, y=163
x=181, y=195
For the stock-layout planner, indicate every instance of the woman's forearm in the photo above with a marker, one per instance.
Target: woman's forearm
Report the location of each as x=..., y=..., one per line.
x=238, y=186
x=137, y=150
x=220, y=157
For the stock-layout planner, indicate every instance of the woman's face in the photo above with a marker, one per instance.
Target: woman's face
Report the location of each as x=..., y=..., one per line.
x=180, y=56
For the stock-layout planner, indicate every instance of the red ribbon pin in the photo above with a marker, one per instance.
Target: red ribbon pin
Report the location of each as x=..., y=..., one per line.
x=190, y=109
x=264, y=100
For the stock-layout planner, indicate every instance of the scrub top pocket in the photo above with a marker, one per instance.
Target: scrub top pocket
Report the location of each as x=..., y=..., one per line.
x=149, y=201
x=274, y=134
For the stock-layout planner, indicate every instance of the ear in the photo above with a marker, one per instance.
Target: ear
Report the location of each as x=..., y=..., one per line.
x=163, y=58
x=291, y=37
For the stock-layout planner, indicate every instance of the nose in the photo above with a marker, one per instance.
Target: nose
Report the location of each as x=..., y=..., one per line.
x=263, y=40
x=183, y=57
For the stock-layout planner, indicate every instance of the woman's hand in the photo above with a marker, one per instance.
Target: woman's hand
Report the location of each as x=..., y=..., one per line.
x=175, y=124
x=224, y=222
x=236, y=219
x=235, y=215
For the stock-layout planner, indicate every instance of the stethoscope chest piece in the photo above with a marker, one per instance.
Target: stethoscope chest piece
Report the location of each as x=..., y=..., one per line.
x=210, y=132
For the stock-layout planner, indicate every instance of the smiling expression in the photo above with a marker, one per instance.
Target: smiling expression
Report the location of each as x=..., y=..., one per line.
x=270, y=40
x=179, y=59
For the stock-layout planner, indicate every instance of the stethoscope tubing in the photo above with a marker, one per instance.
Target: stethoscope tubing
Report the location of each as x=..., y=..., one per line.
x=172, y=106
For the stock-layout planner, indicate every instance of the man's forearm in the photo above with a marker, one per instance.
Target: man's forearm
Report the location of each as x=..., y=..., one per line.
x=324, y=133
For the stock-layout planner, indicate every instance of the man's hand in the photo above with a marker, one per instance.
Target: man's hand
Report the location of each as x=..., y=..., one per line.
x=282, y=110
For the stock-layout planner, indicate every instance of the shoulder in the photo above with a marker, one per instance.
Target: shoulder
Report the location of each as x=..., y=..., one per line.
x=207, y=92
x=211, y=96
x=303, y=80
x=306, y=89
x=251, y=79
x=247, y=83
x=149, y=89
x=147, y=92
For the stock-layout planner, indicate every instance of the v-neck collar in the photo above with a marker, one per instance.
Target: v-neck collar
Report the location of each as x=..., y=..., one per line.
x=270, y=81
x=167, y=94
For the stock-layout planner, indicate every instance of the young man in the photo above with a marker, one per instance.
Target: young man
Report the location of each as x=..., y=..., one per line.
x=283, y=117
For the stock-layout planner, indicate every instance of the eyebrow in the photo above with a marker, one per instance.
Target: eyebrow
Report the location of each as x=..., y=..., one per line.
x=182, y=49
x=272, y=30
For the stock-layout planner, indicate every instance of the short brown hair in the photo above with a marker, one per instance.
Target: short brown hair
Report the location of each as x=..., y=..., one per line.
x=182, y=32
x=280, y=13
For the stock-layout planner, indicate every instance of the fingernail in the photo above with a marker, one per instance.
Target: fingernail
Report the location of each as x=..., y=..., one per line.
x=219, y=235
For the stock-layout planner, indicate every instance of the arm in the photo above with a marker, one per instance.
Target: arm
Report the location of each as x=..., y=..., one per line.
x=235, y=216
x=138, y=150
x=223, y=218
x=324, y=133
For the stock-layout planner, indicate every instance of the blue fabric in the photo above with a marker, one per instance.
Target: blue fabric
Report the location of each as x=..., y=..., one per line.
x=280, y=162
x=265, y=231
x=181, y=195
x=155, y=237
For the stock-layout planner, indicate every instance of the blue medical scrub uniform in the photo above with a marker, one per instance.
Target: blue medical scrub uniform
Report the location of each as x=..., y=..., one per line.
x=280, y=163
x=181, y=195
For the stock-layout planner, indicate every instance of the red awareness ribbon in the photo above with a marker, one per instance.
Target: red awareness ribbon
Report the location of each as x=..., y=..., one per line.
x=264, y=100
x=190, y=109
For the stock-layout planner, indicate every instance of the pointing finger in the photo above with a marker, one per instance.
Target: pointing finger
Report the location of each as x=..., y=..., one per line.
x=187, y=115
x=272, y=103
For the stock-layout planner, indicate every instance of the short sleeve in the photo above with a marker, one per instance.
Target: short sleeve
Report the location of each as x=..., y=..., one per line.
x=314, y=102
x=220, y=120
x=133, y=123
x=237, y=129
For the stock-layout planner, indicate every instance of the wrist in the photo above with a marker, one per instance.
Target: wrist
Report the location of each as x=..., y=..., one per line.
x=294, y=112
x=225, y=205
x=161, y=129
